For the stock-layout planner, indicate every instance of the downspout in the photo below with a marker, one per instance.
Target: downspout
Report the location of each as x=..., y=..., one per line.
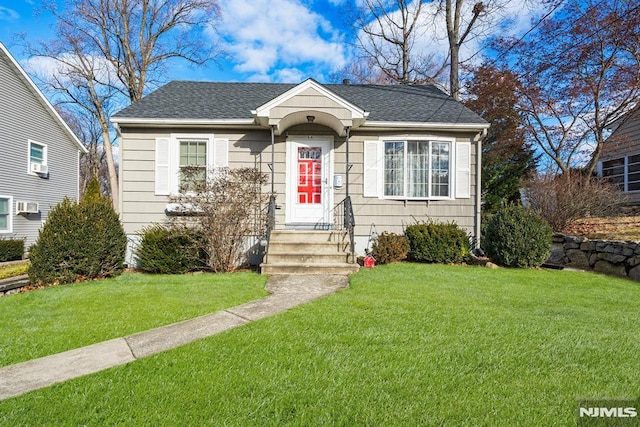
x=273, y=157
x=348, y=164
x=479, y=187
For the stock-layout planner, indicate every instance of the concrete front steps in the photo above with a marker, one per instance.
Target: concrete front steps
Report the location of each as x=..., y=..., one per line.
x=308, y=252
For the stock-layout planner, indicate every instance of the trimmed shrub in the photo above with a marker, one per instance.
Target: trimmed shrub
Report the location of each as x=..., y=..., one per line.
x=390, y=247
x=437, y=242
x=517, y=237
x=79, y=241
x=164, y=250
x=11, y=249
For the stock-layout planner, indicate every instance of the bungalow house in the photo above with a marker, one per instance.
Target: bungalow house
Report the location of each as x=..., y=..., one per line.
x=380, y=157
x=620, y=157
x=39, y=164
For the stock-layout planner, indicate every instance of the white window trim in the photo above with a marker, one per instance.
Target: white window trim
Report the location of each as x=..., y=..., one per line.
x=174, y=158
x=45, y=151
x=625, y=173
x=407, y=138
x=10, y=216
x=174, y=167
x=169, y=179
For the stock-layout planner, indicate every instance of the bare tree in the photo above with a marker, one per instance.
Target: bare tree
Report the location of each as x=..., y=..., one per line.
x=393, y=35
x=93, y=164
x=113, y=50
x=579, y=72
x=459, y=30
x=222, y=209
x=363, y=71
x=84, y=84
x=386, y=35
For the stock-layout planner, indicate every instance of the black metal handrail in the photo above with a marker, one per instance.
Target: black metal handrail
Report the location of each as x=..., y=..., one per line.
x=344, y=220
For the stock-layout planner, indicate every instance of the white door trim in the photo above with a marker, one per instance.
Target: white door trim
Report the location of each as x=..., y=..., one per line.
x=293, y=214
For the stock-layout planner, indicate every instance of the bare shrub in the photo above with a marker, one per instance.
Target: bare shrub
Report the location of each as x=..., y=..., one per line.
x=563, y=199
x=223, y=210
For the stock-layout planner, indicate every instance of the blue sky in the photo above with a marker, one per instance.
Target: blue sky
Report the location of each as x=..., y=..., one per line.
x=266, y=40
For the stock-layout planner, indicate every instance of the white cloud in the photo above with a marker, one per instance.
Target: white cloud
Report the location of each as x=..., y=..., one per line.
x=7, y=14
x=44, y=68
x=279, y=38
x=41, y=67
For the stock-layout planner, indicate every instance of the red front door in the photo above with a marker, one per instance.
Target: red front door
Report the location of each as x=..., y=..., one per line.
x=309, y=175
x=309, y=197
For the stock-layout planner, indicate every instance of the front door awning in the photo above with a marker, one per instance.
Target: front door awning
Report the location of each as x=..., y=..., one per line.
x=310, y=102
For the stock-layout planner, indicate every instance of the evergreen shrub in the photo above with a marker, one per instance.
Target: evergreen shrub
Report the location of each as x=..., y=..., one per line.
x=11, y=249
x=517, y=237
x=437, y=242
x=167, y=250
x=79, y=241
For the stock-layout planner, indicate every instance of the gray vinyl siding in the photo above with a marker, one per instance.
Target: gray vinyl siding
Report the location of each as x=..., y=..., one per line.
x=141, y=207
x=24, y=117
x=624, y=141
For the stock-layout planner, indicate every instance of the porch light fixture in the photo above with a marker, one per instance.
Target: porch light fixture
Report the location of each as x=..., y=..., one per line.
x=310, y=119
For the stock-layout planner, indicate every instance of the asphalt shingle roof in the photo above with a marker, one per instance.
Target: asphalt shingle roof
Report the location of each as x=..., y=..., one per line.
x=215, y=100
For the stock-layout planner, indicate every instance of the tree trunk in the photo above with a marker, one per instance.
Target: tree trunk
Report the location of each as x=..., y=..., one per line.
x=111, y=165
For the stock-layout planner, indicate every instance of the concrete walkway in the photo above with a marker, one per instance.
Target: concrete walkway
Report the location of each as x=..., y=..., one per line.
x=286, y=292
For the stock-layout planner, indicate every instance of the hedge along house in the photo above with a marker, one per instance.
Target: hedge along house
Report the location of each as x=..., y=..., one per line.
x=379, y=157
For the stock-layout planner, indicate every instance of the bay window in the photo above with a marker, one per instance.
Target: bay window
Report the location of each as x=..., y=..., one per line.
x=417, y=169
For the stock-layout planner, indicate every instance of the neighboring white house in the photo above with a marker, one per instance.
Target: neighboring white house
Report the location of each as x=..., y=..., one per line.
x=401, y=153
x=39, y=160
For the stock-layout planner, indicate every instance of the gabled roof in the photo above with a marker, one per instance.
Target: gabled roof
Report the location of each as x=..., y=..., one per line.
x=309, y=84
x=233, y=103
x=37, y=93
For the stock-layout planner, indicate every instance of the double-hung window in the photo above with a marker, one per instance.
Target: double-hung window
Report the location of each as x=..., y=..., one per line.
x=417, y=169
x=37, y=157
x=193, y=164
x=183, y=161
x=5, y=214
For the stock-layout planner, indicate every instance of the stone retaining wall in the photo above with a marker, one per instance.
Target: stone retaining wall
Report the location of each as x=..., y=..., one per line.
x=611, y=257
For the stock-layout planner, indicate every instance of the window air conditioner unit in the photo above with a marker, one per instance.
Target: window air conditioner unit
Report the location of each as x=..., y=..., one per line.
x=39, y=168
x=27, y=207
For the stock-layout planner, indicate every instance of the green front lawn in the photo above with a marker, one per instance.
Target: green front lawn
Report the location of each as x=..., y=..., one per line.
x=404, y=345
x=51, y=320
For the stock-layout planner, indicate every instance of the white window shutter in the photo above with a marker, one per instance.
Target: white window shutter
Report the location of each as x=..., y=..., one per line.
x=463, y=170
x=372, y=176
x=163, y=175
x=220, y=153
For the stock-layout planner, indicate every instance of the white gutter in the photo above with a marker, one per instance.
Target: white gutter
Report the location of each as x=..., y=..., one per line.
x=181, y=122
x=422, y=125
x=252, y=121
